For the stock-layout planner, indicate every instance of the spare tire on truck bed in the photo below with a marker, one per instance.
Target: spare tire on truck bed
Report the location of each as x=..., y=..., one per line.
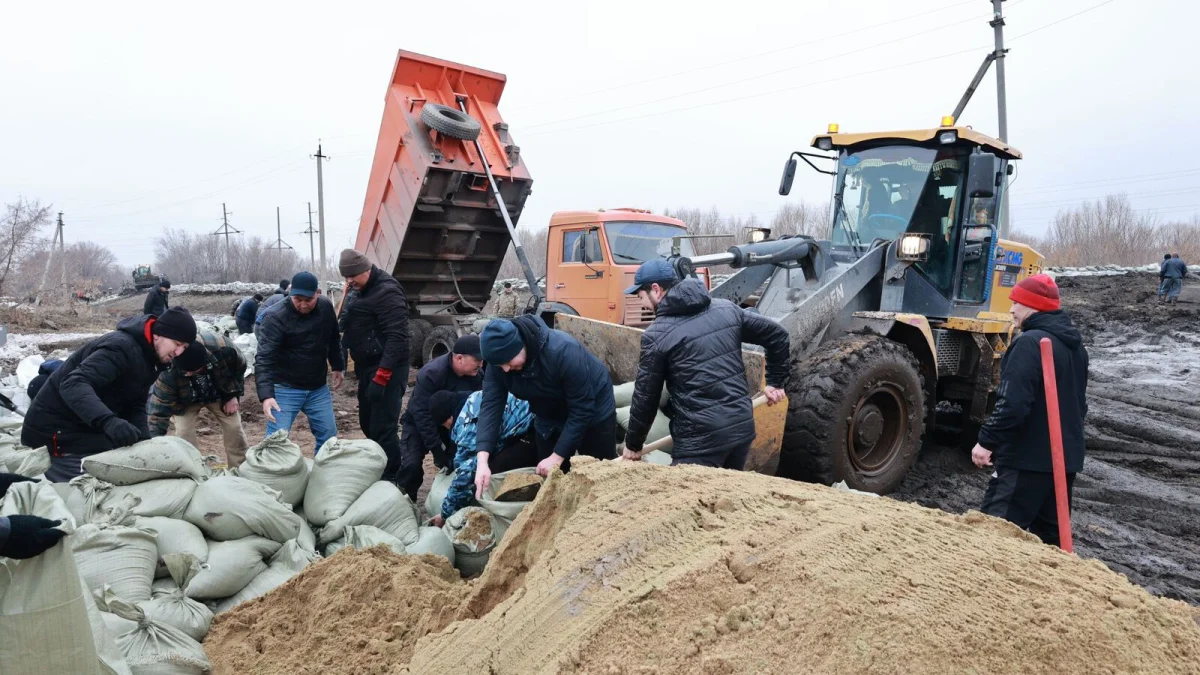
x=450, y=121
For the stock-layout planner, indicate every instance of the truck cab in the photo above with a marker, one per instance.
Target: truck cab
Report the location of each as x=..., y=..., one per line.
x=592, y=256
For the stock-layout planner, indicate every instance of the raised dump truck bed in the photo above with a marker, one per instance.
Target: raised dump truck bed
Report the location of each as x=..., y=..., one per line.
x=430, y=218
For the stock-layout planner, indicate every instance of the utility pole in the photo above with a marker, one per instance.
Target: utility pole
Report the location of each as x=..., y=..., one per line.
x=226, y=229
x=54, y=243
x=320, y=157
x=279, y=242
x=312, y=257
x=62, y=252
x=997, y=24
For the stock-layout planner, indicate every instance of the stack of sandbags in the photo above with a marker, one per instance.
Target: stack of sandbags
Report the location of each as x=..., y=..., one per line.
x=384, y=515
x=153, y=646
x=174, y=608
x=659, y=429
x=277, y=463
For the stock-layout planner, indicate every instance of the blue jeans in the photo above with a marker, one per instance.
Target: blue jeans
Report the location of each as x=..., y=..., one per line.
x=317, y=406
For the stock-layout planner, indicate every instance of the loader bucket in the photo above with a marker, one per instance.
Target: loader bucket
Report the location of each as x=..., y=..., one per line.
x=618, y=347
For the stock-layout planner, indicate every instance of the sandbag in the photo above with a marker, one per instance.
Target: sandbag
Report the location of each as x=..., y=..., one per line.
x=433, y=541
x=155, y=648
x=161, y=587
x=474, y=533
x=623, y=393
x=306, y=538
x=44, y=596
x=228, y=507
x=383, y=505
x=341, y=473
x=505, y=511
x=28, y=368
x=118, y=556
x=657, y=457
x=85, y=494
x=437, y=492
x=278, y=464
x=288, y=561
x=231, y=565
x=659, y=429
x=116, y=625
x=176, y=609
x=162, y=457
x=365, y=536
x=31, y=462
x=174, y=536
x=167, y=497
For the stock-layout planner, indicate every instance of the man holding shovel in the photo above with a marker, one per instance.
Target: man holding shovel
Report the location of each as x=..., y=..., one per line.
x=1016, y=438
x=694, y=346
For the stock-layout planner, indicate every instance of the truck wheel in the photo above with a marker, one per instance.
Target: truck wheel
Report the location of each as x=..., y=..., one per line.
x=856, y=412
x=418, y=329
x=440, y=341
x=450, y=121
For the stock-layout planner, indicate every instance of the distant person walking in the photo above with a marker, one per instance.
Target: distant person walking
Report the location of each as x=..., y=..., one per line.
x=1173, y=272
x=297, y=346
x=271, y=301
x=1016, y=438
x=246, y=312
x=156, y=299
x=1162, y=278
x=507, y=301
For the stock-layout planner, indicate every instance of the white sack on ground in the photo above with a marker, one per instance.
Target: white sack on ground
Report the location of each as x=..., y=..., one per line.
x=248, y=345
x=228, y=507
x=119, y=556
x=162, y=457
x=33, y=463
x=278, y=464
x=155, y=648
x=383, y=505
x=365, y=536
x=505, y=511
x=174, y=536
x=288, y=561
x=341, y=472
x=27, y=369
x=306, y=538
x=176, y=609
x=85, y=494
x=116, y=625
x=434, y=541
x=231, y=565
x=473, y=544
x=167, y=497
x=437, y=492
x=163, y=586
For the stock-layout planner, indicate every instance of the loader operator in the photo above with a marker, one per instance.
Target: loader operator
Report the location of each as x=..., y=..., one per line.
x=694, y=346
x=569, y=390
x=96, y=401
x=1016, y=438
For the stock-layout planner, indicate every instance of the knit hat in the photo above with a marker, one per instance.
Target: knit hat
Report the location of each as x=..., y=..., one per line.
x=1036, y=292
x=176, y=324
x=164, y=283
x=468, y=345
x=283, y=284
x=304, y=284
x=444, y=405
x=352, y=263
x=193, y=358
x=500, y=342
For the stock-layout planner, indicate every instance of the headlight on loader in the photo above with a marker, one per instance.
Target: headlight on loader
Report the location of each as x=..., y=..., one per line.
x=913, y=247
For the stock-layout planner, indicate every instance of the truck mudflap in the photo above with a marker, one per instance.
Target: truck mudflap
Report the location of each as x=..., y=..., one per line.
x=619, y=348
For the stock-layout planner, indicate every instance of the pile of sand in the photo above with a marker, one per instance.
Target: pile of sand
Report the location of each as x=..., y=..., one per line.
x=620, y=568
x=355, y=613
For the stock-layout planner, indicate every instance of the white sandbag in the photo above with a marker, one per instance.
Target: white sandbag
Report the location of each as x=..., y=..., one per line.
x=116, y=625
x=278, y=464
x=161, y=587
x=162, y=457
x=176, y=609
x=472, y=546
x=31, y=462
x=437, y=492
x=341, y=472
x=119, y=556
x=248, y=345
x=383, y=505
x=657, y=457
x=433, y=541
x=228, y=508
x=231, y=565
x=85, y=496
x=623, y=393
x=365, y=536
x=167, y=497
x=288, y=561
x=505, y=511
x=660, y=428
x=174, y=536
x=44, y=598
x=306, y=538
x=155, y=648
x=27, y=369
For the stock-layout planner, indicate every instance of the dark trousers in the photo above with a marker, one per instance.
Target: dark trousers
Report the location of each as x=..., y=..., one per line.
x=380, y=421
x=599, y=441
x=412, y=458
x=1026, y=499
x=518, y=453
x=733, y=458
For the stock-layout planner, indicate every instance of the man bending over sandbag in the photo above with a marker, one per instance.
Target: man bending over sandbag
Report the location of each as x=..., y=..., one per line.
x=210, y=373
x=96, y=401
x=569, y=391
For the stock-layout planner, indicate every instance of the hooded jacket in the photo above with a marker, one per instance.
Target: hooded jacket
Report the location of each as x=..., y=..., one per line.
x=437, y=375
x=156, y=302
x=294, y=348
x=108, y=376
x=374, y=325
x=694, y=346
x=1174, y=268
x=1018, y=433
x=173, y=392
x=247, y=310
x=567, y=387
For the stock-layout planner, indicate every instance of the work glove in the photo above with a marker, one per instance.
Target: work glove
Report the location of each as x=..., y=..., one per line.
x=7, y=479
x=378, y=384
x=29, y=536
x=121, y=433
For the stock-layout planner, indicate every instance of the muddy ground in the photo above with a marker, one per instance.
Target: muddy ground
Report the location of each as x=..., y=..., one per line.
x=1137, y=501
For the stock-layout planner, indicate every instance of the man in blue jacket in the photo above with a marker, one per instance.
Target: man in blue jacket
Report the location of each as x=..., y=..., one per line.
x=568, y=389
x=1173, y=270
x=246, y=312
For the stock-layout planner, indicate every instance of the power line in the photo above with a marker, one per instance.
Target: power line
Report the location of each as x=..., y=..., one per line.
x=1065, y=18
x=1100, y=182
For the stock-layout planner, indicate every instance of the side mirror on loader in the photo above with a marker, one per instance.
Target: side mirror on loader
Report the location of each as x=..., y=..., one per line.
x=789, y=175
x=982, y=172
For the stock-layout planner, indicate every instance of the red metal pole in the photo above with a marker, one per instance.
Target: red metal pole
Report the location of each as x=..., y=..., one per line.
x=1056, y=446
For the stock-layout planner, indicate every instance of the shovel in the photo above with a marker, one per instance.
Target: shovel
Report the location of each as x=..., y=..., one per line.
x=7, y=404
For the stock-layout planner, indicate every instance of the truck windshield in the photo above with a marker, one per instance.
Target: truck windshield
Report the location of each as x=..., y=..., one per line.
x=636, y=242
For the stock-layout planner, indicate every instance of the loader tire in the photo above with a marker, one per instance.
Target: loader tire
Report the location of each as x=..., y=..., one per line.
x=440, y=341
x=856, y=412
x=418, y=330
x=450, y=121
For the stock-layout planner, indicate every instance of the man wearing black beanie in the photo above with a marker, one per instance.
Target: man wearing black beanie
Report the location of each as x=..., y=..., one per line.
x=96, y=401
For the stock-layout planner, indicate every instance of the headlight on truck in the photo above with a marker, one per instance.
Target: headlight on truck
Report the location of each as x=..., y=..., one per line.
x=913, y=247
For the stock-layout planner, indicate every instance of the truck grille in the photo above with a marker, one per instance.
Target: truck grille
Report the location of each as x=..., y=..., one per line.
x=949, y=351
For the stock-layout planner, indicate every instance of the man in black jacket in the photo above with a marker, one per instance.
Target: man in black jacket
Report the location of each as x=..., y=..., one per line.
x=375, y=331
x=156, y=299
x=456, y=372
x=96, y=400
x=1016, y=438
x=694, y=346
x=295, y=343
x=246, y=312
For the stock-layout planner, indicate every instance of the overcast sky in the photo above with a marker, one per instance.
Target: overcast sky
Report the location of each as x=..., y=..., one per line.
x=133, y=117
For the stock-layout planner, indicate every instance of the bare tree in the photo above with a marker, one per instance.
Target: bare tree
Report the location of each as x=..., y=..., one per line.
x=202, y=258
x=23, y=222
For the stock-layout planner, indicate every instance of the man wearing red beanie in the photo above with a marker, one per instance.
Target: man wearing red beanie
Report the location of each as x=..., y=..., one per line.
x=1016, y=438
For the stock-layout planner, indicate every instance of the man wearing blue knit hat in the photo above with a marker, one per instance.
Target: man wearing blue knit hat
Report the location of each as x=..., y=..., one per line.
x=568, y=389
